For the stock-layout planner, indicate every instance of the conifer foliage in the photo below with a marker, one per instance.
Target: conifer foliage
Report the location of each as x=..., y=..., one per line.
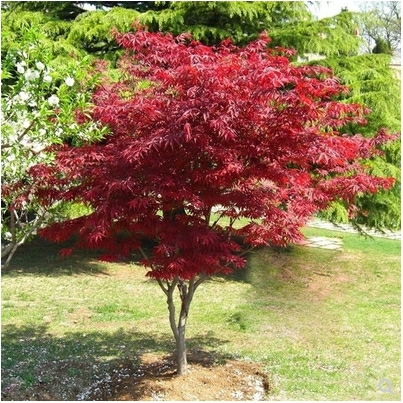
x=199, y=134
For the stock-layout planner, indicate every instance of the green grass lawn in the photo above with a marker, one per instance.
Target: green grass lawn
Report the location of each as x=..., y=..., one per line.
x=325, y=325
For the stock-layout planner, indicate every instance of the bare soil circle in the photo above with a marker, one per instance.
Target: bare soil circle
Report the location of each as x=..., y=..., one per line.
x=156, y=379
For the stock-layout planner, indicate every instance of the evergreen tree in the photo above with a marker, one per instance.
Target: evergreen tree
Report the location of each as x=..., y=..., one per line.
x=334, y=36
x=69, y=10
x=373, y=83
x=382, y=46
x=63, y=10
x=290, y=24
x=212, y=21
x=89, y=33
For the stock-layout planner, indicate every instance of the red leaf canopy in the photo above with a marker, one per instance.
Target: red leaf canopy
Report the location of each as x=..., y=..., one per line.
x=197, y=128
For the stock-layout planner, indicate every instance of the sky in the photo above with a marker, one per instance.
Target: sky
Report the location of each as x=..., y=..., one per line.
x=330, y=8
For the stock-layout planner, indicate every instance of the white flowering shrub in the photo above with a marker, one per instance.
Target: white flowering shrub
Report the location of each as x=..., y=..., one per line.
x=38, y=109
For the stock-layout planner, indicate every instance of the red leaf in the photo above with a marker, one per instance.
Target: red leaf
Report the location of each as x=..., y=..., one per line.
x=188, y=132
x=237, y=130
x=66, y=252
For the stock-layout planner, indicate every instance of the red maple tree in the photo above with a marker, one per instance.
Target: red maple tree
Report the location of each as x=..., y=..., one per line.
x=199, y=134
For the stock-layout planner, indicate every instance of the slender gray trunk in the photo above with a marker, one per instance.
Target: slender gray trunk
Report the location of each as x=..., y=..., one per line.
x=180, y=340
x=178, y=325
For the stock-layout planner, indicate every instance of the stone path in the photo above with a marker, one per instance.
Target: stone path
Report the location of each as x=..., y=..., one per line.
x=317, y=223
x=334, y=243
x=323, y=242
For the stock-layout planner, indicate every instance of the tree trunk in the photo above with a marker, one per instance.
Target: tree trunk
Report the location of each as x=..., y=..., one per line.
x=178, y=326
x=9, y=250
x=181, y=345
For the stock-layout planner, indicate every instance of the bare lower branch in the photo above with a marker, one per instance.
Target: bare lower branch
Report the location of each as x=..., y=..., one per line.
x=163, y=288
x=33, y=227
x=13, y=226
x=20, y=137
x=208, y=216
x=202, y=279
x=6, y=250
x=171, y=308
x=190, y=293
x=218, y=219
x=247, y=250
x=143, y=253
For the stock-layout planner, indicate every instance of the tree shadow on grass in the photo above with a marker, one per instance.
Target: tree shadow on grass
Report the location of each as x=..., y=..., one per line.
x=37, y=365
x=244, y=275
x=42, y=257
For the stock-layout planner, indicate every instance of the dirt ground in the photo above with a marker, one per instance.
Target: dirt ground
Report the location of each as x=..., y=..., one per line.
x=155, y=380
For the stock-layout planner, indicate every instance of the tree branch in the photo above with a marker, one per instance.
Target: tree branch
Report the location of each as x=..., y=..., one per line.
x=171, y=308
x=143, y=253
x=246, y=251
x=163, y=288
x=34, y=226
x=218, y=219
x=20, y=137
x=202, y=279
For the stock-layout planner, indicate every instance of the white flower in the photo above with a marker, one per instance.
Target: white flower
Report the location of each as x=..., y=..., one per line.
x=59, y=131
x=24, y=142
x=40, y=66
x=11, y=139
x=42, y=132
x=20, y=68
x=24, y=96
x=53, y=100
x=69, y=81
x=31, y=75
x=28, y=74
x=26, y=124
x=37, y=147
x=47, y=78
